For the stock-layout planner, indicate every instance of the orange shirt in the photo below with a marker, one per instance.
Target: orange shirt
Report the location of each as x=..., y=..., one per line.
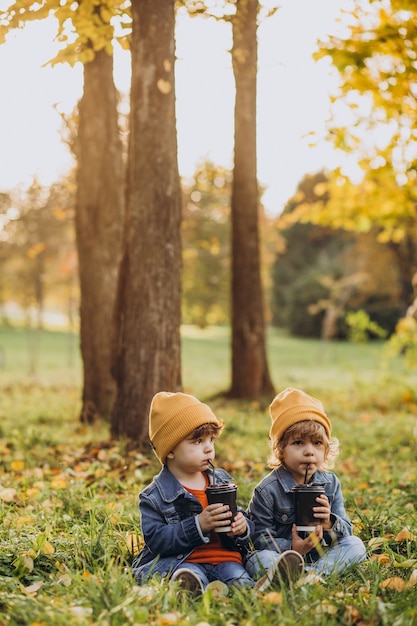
x=212, y=552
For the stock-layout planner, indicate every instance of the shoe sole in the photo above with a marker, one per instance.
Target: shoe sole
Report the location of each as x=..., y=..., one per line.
x=287, y=570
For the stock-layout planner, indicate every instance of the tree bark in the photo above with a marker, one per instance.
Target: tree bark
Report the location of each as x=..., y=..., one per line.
x=250, y=374
x=99, y=222
x=148, y=308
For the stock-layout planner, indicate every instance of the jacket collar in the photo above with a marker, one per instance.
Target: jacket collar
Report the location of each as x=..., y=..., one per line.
x=170, y=488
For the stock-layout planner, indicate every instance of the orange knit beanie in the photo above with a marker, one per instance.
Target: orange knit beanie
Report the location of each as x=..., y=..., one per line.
x=172, y=417
x=292, y=406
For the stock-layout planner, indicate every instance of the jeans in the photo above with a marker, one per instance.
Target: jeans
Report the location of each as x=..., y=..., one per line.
x=348, y=551
x=229, y=572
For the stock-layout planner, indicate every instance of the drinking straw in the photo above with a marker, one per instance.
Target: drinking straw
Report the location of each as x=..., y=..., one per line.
x=214, y=472
x=305, y=477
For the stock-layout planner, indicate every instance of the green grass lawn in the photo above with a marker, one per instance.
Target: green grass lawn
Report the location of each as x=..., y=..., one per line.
x=68, y=496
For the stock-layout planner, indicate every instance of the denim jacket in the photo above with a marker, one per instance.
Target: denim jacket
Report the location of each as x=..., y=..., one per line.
x=170, y=525
x=272, y=510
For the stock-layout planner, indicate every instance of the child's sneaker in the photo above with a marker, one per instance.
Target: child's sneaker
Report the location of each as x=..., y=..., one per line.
x=287, y=569
x=187, y=580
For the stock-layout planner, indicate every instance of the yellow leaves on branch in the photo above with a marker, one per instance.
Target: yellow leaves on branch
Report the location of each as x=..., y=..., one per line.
x=84, y=28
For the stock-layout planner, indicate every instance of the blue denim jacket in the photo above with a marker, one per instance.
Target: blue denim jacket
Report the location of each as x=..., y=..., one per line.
x=170, y=525
x=272, y=510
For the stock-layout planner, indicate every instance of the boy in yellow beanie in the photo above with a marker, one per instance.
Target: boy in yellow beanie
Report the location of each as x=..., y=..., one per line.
x=177, y=522
x=302, y=452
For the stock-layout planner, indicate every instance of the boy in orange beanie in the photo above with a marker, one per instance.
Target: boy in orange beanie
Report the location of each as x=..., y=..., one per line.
x=302, y=452
x=177, y=522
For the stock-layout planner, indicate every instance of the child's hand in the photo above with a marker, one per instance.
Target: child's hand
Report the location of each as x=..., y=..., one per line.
x=239, y=525
x=302, y=546
x=213, y=516
x=322, y=512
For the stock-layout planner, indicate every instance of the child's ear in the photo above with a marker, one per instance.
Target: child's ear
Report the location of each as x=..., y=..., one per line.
x=170, y=455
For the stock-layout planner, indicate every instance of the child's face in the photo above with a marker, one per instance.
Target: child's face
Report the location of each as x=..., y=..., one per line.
x=192, y=455
x=302, y=450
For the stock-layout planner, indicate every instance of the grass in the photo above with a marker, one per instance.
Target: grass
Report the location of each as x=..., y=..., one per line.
x=68, y=496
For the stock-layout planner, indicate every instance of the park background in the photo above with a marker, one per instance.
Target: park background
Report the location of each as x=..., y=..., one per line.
x=336, y=263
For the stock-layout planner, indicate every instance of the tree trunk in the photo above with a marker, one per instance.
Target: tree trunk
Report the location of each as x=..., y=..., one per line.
x=250, y=375
x=148, y=308
x=405, y=253
x=98, y=219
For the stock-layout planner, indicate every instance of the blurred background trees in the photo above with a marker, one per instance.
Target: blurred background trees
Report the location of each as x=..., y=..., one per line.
x=342, y=251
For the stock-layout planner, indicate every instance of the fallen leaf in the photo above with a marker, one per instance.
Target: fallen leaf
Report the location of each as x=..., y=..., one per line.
x=134, y=543
x=412, y=581
x=404, y=535
x=65, y=580
x=395, y=582
x=17, y=466
x=273, y=597
x=8, y=494
x=352, y=614
x=48, y=548
x=376, y=542
x=382, y=558
x=326, y=608
x=33, y=589
x=169, y=618
x=407, y=563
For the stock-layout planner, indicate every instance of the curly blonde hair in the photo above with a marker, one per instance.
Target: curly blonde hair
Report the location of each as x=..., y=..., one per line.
x=306, y=428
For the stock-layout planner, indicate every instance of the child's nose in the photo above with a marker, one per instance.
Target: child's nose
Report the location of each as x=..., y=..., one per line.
x=209, y=445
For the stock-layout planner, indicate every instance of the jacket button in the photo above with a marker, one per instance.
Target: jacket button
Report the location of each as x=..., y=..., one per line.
x=180, y=556
x=284, y=517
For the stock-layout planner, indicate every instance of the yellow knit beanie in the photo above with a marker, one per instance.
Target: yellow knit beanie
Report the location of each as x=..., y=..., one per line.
x=172, y=417
x=292, y=406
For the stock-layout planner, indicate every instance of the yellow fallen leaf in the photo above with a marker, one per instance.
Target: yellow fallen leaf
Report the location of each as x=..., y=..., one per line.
x=352, y=614
x=17, y=466
x=59, y=482
x=412, y=581
x=33, y=589
x=395, y=582
x=48, y=548
x=326, y=608
x=169, y=618
x=407, y=396
x=406, y=564
x=273, y=597
x=24, y=562
x=133, y=542
x=376, y=542
x=363, y=589
x=65, y=580
x=8, y=495
x=382, y=558
x=404, y=535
